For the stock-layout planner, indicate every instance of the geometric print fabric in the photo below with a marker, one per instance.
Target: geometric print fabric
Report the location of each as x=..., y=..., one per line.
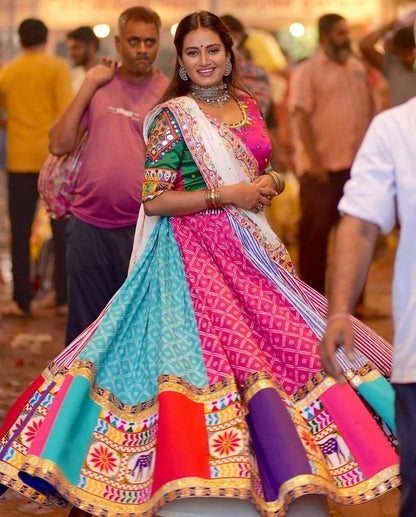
x=151, y=325
x=245, y=323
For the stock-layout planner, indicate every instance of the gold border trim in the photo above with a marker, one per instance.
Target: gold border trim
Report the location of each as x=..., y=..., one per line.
x=198, y=487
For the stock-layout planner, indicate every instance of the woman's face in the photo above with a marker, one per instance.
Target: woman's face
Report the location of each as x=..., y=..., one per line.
x=204, y=57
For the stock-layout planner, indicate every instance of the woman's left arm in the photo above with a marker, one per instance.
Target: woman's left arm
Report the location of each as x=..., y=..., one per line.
x=176, y=203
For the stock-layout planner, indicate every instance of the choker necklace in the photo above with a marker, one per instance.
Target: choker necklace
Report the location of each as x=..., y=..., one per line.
x=211, y=94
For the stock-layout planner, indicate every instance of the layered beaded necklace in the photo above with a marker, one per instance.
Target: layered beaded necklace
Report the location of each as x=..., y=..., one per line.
x=211, y=94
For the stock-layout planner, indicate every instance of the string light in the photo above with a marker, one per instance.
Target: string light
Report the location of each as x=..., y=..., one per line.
x=297, y=30
x=102, y=30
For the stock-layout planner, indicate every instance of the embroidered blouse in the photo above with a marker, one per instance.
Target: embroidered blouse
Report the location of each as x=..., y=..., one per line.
x=169, y=164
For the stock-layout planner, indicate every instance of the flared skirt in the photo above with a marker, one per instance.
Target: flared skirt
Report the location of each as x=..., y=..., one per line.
x=202, y=378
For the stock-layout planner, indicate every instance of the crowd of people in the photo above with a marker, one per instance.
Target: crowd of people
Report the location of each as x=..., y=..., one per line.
x=203, y=375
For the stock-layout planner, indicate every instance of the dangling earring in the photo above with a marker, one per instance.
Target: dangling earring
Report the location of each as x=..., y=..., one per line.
x=228, y=68
x=182, y=73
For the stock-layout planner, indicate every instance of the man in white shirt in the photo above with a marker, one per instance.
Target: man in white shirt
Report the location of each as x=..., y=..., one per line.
x=382, y=189
x=82, y=46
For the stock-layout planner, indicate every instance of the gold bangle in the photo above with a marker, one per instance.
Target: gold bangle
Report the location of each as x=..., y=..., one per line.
x=208, y=198
x=213, y=198
x=278, y=181
x=216, y=198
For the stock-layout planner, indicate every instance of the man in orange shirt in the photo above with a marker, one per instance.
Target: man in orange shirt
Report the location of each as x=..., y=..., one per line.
x=331, y=105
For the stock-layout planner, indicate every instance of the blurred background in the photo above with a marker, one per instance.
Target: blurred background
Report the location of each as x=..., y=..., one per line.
x=283, y=29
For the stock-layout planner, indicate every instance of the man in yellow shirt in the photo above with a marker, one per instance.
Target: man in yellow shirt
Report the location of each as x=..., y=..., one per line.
x=34, y=90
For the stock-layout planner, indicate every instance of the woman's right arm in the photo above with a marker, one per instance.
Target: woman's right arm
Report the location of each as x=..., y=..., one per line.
x=176, y=203
x=67, y=131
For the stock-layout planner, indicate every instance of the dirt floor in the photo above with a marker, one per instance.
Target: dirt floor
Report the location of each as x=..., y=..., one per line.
x=27, y=345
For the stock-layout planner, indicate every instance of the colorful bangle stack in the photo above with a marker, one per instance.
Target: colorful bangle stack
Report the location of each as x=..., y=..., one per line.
x=278, y=180
x=213, y=198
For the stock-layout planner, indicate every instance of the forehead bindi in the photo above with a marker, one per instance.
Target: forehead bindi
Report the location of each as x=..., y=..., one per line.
x=202, y=38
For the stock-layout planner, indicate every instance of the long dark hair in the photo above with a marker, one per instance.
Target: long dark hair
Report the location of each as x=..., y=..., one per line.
x=207, y=20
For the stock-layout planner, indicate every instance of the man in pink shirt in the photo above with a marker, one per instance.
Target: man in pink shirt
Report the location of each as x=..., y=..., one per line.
x=331, y=106
x=111, y=105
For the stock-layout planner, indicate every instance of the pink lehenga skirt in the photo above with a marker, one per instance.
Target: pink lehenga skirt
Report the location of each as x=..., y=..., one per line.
x=202, y=378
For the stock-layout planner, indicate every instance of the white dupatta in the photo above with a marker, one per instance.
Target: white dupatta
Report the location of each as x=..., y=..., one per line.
x=215, y=156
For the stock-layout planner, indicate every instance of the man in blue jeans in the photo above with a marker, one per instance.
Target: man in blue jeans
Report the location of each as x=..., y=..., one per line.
x=111, y=105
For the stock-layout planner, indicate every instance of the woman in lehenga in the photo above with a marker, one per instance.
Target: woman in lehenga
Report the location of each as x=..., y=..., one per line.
x=199, y=389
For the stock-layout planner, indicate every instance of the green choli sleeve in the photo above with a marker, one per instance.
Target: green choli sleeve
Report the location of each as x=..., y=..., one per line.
x=169, y=164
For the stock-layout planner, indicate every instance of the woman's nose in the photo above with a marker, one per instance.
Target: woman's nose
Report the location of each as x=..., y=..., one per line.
x=204, y=58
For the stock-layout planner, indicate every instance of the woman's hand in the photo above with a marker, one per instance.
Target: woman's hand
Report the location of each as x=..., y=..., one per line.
x=264, y=180
x=249, y=196
x=271, y=179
